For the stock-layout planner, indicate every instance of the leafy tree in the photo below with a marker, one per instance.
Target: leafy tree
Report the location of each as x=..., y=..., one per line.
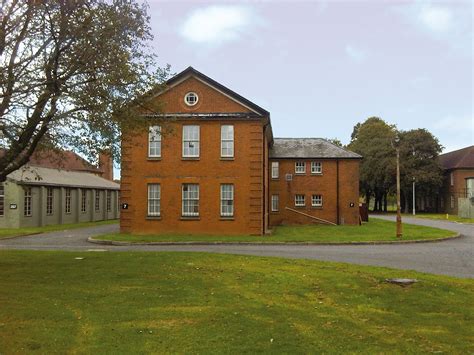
x=68, y=69
x=419, y=151
x=373, y=140
x=335, y=141
x=355, y=131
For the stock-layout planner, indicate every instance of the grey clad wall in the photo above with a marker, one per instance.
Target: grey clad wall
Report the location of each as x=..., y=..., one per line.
x=15, y=218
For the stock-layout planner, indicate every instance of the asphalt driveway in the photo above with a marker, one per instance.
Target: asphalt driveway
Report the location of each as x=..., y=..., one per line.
x=454, y=257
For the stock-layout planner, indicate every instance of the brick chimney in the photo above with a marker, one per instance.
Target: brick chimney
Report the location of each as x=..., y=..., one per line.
x=106, y=165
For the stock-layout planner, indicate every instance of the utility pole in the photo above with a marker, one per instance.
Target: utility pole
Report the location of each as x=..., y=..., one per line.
x=414, y=199
x=399, y=215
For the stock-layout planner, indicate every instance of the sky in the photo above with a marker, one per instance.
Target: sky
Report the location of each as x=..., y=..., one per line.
x=320, y=67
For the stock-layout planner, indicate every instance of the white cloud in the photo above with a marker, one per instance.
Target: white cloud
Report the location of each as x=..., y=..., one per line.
x=217, y=24
x=435, y=18
x=355, y=54
x=450, y=22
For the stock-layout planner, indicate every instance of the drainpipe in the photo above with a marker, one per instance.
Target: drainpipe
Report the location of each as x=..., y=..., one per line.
x=263, y=179
x=337, y=190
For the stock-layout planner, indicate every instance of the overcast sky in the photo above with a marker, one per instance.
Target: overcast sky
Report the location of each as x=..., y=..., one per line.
x=320, y=67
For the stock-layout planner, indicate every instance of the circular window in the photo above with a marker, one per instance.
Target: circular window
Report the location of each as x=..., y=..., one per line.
x=191, y=98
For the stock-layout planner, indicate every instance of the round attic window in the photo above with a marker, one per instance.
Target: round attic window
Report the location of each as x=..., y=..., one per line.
x=191, y=98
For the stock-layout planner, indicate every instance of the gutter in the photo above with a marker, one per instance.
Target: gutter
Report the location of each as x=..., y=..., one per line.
x=337, y=191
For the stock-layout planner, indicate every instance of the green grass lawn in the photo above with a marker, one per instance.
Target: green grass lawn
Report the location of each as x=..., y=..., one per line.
x=436, y=216
x=13, y=232
x=442, y=216
x=122, y=303
x=375, y=230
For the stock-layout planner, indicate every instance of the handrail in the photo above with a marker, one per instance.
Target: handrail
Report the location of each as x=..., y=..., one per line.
x=308, y=215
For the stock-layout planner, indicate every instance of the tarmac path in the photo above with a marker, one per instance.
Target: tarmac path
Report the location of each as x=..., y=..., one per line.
x=452, y=257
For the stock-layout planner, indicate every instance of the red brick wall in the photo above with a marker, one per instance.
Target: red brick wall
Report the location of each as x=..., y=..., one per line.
x=246, y=171
x=457, y=190
x=324, y=184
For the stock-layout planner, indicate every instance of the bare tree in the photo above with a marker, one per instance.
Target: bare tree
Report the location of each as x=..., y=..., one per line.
x=68, y=71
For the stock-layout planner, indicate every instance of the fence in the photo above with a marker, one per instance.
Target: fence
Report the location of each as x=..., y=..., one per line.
x=466, y=207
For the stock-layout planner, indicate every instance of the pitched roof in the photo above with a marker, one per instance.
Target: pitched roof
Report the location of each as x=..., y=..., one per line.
x=37, y=175
x=66, y=160
x=190, y=71
x=458, y=159
x=309, y=148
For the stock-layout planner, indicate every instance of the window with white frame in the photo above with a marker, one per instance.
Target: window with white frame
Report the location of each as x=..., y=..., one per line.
x=191, y=98
x=275, y=170
x=190, y=200
x=451, y=178
x=227, y=141
x=108, y=195
x=299, y=200
x=83, y=200
x=316, y=200
x=227, y=200
x=67, y=205
x=2, y=200
x=275, y=203
x=316, y=167
x=452, y=201
x=191, y=141
x=300, y=167
x=49, y=201
x=154, y=142
x=97, y=200
x=154, y=199
x=27, y=202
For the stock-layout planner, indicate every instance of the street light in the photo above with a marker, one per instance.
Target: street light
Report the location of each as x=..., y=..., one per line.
x=414, y=199
x=396, y=143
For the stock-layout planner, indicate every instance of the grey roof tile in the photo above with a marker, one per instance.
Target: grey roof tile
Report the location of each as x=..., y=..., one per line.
x=36, y=175
x=309, y=148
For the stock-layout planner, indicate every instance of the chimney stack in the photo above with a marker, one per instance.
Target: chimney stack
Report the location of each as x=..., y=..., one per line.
x=106, y=165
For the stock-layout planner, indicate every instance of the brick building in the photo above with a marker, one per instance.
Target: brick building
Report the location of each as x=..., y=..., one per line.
x=458, y=179
x=313, y=180
x=204, y=167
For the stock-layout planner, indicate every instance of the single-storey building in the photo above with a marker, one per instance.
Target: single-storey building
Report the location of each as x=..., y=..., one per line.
x=58, y=189
x=209, y=164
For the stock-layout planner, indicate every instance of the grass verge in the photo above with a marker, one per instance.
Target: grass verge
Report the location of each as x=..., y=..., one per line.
x=16, y=232
x=441, y=216
x=204, y=303
x=375, y=230
x=433, y=216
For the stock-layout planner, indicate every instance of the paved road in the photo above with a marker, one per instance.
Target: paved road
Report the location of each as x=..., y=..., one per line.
x=454, y=257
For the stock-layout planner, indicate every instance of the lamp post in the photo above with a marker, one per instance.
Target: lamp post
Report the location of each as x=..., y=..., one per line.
x=399, y=215
x=414, y=199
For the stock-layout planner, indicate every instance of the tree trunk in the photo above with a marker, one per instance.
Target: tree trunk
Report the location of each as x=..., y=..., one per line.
x=367, y=199
x=385, y=202
x=375, y=202
x=407, y=203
